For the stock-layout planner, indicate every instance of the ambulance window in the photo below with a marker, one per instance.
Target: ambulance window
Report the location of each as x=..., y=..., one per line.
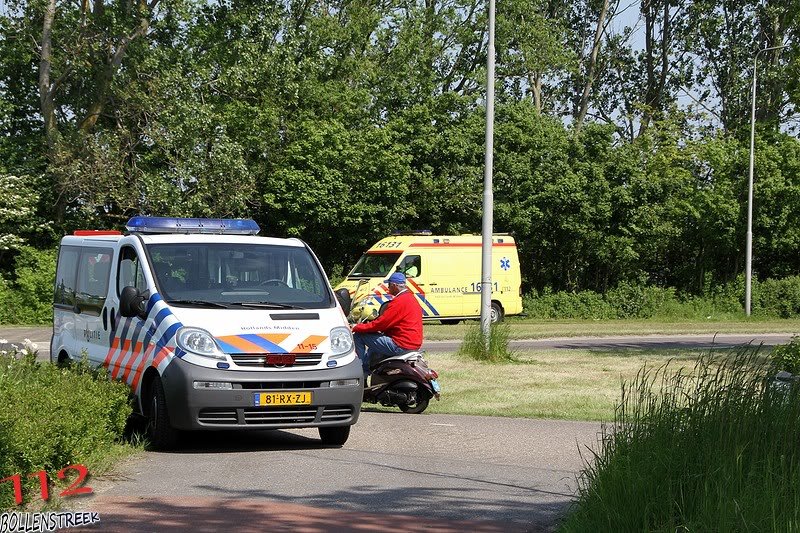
x=66, y=275
x=130, y=273
x=94, y=268
x=411, y=266
x=374, y=265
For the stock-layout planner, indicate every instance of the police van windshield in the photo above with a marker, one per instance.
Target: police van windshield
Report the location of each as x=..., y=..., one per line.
x=235, y=275
x=374, y=265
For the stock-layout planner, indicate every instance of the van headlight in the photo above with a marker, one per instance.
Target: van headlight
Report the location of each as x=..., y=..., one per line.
x=199, y=342
x=341, y=342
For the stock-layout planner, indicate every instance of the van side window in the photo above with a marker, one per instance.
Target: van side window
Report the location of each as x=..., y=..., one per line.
x=130, y=273
x=65, y=276
x=94, y=268
x=411, y=266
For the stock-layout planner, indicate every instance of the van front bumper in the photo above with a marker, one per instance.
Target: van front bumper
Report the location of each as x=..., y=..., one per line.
x=193, y=409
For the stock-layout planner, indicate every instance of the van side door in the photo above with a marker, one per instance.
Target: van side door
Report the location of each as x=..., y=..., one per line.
x=92, y=326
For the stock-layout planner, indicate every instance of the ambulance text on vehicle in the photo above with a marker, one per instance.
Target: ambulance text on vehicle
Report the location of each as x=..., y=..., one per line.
x=212, y=326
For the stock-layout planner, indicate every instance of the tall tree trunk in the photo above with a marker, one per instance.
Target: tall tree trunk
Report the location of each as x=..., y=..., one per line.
x=535, y=84
x=47, y=103
x=590, y=70
x=107, y=75
x=654, y=93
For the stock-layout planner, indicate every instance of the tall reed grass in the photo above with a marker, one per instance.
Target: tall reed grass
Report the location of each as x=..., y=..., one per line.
x=716, y=448
x=497, y=350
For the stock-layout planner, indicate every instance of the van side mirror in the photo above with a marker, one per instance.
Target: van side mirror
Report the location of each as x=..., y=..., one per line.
x=343, y=296
x=131, y=303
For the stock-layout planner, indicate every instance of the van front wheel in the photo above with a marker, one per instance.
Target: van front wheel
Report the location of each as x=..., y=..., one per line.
x=334, y=436
x=161, y=434
x=496, y=313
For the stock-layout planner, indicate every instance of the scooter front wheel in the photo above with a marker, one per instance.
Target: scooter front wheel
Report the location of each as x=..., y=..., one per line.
x=421, y=403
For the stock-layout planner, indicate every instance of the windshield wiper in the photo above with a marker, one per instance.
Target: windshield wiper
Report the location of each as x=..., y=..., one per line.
x=200, y=303
x=268, y=305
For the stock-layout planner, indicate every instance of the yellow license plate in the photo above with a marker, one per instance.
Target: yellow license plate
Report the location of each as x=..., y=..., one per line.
x=261, y=399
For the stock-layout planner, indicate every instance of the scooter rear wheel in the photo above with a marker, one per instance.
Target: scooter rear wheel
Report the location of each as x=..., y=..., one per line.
x=417, y=407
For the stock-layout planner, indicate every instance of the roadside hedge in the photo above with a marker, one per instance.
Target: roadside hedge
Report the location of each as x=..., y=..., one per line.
x=53, y=417
x=772, y=298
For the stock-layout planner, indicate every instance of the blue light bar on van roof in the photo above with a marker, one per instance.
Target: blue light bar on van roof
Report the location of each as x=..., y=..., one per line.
x=215, y=226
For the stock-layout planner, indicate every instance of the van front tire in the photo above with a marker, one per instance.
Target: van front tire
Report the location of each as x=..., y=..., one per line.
x=161, y=434
x=334, y=436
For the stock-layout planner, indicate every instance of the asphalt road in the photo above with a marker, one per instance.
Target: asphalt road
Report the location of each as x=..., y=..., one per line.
x=447, y=472
x=41, y=336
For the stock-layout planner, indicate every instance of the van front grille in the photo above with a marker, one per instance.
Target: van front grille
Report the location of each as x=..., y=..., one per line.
x=274, y=416
x=260, y=360
x=277, y=385
x=283, y=415
x=217, y=416
x=337, y=413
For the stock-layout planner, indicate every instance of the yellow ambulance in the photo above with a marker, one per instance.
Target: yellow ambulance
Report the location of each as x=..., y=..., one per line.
x=443, y=272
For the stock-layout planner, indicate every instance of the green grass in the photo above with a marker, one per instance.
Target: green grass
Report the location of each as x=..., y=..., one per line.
x=561, y=384
x=712, y=448
x=522, y=328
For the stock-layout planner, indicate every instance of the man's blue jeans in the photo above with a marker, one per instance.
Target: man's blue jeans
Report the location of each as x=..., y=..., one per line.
x=374, y=345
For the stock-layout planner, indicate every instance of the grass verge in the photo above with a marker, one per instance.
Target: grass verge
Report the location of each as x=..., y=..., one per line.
x=522, y=328
x=496, y=350
x=711, y=449
x=51, y=418
x=561, y=384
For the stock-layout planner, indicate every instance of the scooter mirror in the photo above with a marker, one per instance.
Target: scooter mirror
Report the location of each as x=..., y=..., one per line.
x=343, y=296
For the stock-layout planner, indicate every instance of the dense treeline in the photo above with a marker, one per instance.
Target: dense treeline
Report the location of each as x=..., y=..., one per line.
x=621, y=136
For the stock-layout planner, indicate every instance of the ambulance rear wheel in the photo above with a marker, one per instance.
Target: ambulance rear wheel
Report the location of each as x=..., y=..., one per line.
x=496, y=313
x=334, y=436
x=160, y=433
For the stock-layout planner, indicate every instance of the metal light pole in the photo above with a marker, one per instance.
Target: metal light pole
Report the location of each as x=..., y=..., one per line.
x=749, y=249
x=488, y=198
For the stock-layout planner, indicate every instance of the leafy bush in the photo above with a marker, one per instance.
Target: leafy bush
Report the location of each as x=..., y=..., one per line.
x=29, y=298
x=336, y=275
x=786, y=357
x=52, y=417
x=638, y=301
x=624, y=301
x=771, y=298
x=713, y=449
x=584, y=304
x=777, y=297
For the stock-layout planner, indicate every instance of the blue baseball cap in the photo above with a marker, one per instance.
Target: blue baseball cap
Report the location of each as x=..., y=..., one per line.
x=398, y=278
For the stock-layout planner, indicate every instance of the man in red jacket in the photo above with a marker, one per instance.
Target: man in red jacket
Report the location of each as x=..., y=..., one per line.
x=397, y=330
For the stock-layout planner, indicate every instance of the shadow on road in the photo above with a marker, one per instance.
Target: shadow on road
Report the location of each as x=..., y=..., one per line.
x=361, y=509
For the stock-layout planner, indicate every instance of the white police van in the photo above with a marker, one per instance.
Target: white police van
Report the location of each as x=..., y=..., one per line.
x=211, y=326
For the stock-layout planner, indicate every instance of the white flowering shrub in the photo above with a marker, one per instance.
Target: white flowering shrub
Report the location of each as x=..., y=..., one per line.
x=19, y=196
